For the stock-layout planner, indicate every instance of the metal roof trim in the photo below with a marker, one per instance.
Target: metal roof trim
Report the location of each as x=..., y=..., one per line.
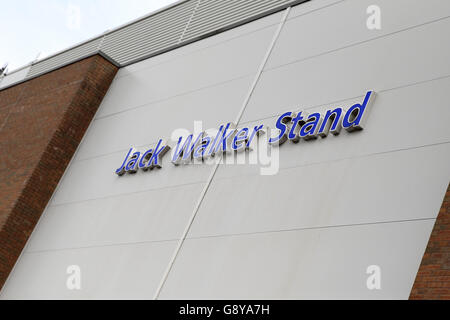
x=181, y=34
x=102, y=54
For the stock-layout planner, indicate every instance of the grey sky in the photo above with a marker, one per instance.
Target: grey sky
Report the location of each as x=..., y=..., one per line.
x=28, y=27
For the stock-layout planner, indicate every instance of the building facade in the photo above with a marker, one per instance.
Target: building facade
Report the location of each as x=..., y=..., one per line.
x=362, y=214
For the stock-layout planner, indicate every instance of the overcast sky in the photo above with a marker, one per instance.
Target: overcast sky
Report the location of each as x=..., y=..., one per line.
x=28, y=27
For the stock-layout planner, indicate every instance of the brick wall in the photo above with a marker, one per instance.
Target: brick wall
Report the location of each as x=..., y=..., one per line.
x=42, y=122
x=433, y=278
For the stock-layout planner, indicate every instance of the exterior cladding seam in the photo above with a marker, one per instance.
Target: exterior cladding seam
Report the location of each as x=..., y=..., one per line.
x=48, y=122
x=433, y=279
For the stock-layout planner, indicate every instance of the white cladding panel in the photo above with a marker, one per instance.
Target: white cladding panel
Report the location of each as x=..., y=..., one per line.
x=131, y=271
x=335, y=206
x=385, y=63
x=359, y=190
x=181, y=111
x=326, y=263
x=200, y=69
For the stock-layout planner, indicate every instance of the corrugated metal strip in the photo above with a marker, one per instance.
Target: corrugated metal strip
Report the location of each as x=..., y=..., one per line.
x=182, y=23
x=150, y=35
x=213, y=15
x=64, y=58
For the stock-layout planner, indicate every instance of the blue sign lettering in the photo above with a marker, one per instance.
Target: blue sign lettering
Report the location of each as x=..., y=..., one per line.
x=291, y=126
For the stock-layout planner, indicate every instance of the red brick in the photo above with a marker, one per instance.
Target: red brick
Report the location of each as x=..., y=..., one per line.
x=433, y=279
x=37, y=117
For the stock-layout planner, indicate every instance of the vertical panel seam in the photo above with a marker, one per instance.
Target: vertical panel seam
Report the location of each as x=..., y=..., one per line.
x=216, y=166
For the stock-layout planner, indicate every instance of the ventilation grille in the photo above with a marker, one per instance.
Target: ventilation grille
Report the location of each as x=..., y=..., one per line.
x=181, y=23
